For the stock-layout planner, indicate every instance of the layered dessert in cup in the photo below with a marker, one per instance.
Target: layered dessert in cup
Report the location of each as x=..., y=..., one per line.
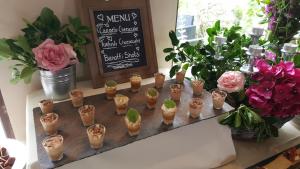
x=218, y=98
x=159, y=80
x=110, y=89
x=96, y=135
x=87, y=114
x=197, y=86
x=121, y=102
x=180, y=77
x=133, y=122
x=54, y=147
x=152, y=96
x=168, y=111
x=76, y=97
x=135, y=81
x=195, y=107
x=175, y=92
x=50, y=123
x=46, y=106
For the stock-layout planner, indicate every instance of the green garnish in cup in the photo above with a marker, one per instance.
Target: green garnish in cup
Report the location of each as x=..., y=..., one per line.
x=132, y=115
x=169, y=103
x=152, y=92
x=111, y=83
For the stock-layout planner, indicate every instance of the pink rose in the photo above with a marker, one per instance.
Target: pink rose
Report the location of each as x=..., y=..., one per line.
x=54, y=57
x=231, y=81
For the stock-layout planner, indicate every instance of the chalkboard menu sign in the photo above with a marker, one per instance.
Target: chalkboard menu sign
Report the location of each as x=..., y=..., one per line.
x=123, y=40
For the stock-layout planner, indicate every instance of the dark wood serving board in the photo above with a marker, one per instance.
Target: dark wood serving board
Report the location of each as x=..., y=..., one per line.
x=76, y=144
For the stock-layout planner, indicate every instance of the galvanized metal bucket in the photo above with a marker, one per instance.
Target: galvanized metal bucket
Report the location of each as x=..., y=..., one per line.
x=57, y=85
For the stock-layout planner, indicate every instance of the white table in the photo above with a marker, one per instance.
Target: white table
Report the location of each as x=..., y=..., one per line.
x=201, y=145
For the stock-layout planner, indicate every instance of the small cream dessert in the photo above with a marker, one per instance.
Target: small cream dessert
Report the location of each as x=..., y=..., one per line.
x=168, y=111
x=46, y=106
x=195, y=107
x=159, y=80
x=96, y=135
x=135, y=81
x=218, y=98
x=54, y=147
x=175, y=92
x=180, y=77
x=87, y=115
x=50, y=123
x=76, y=97
x=197, y=87
x=110, y=89
x=133, y=122
x=121, y=103
x=152, y=96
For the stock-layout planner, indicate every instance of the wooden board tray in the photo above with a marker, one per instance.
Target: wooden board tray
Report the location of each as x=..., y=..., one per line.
x=76, y=144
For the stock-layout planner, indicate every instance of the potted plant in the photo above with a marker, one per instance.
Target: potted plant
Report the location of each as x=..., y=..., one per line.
x=151, y=95
x=168, y=111
x=133, y=122
x=50, y=47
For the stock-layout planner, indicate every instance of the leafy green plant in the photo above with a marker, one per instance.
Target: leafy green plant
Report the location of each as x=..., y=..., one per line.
x=47, y=25
x=244, y=118
x=152, y=92
x=169, y=103
x=200, y=57
x=132, y=115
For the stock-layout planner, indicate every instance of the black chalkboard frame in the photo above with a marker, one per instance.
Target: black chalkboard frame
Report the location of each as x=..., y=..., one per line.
x=98, y=75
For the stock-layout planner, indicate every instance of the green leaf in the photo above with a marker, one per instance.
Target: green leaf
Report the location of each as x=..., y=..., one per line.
x=297, y=61
x=168, y=50
x=173, y=38
x=5, y=51
x=26, y=74
x=174, y=70
x=169, y=57
x=185, y=66
x=217, y=25
x=49, y=20
x=169, y=103
x=22, y=42
x=15, y=76
x=132, y=115
x=237, y=121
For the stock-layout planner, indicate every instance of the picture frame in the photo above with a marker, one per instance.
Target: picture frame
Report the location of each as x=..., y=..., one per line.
x=113, y=54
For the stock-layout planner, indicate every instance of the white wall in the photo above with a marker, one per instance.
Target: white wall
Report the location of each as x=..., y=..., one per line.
x=11, y=14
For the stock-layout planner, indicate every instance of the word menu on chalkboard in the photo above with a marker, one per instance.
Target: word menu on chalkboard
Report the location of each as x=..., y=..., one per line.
x=120, y=39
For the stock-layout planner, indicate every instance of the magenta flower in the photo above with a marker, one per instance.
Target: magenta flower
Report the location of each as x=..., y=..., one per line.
x=277, y=91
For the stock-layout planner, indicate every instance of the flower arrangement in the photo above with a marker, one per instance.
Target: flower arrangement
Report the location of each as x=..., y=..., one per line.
x=46, y=44
x=276, y=89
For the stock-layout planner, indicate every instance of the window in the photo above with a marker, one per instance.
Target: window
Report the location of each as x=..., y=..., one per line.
x=195, y=16
x=5, y=125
